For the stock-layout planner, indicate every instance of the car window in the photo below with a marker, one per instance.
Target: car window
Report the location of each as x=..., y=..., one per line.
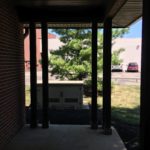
x=133, y=64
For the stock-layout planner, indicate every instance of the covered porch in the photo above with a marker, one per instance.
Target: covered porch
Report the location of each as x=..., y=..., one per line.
x=65, y=137
x=44, y=14
x=76, y=15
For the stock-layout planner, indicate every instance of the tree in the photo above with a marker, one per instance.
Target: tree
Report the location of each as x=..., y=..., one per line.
x=72, y=61
x=115, y=56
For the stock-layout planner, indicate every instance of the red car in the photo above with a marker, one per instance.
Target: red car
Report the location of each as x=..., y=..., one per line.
x=132, y=67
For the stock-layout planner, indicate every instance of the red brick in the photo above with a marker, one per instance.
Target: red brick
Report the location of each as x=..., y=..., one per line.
x=11, y=73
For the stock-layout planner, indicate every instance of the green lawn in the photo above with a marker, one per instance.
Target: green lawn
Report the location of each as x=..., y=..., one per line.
x=125, y=102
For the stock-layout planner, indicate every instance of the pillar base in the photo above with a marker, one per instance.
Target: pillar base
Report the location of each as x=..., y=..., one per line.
x=107, y=131
x=94, y=126
x=45, y=125
x=33, y=125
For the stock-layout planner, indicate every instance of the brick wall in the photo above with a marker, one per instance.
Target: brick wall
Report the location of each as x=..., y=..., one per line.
x=11, y=73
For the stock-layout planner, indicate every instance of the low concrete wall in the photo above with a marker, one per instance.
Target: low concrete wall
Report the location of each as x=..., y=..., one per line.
x=79, y=116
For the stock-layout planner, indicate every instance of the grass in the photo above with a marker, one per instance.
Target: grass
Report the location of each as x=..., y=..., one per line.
x=125, y=102
x=125, y=96
x=27, y=102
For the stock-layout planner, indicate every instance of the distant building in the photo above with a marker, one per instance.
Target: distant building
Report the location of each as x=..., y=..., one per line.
x=53, y=44
x=132, y=51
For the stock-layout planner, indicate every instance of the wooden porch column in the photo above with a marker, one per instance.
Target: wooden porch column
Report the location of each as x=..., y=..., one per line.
x=45, y=74
x=94, y=121
x=107, y=76
x=145, y=79
x=33, y=76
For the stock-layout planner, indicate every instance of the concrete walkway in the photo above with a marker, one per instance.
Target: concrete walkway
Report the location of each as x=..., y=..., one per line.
x=65, y=137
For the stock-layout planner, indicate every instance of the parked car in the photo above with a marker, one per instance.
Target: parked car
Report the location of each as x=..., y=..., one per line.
x=116, y=68
x=132, y=67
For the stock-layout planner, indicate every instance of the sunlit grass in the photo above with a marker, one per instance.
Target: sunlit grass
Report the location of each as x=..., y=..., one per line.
x=125, y=96
x=87, y=101
x=27, y=93
x=125, y=103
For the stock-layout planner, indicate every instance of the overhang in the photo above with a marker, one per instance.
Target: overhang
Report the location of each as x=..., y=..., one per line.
x=79, y=13
x=125, y=12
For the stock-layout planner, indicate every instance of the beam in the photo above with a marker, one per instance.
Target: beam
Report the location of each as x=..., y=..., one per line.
x=33, y=77
x=45, y=73
x=60, y=14
x=145, y=79
x=94, y=120
x=107, y=76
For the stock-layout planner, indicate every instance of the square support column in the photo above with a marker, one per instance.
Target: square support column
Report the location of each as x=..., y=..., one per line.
x=145, y=79
x=107, y=76
x=45, y=74
x=94, y=120
x=33, y=76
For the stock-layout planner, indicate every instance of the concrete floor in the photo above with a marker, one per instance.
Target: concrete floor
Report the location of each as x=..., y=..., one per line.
x=65, y=137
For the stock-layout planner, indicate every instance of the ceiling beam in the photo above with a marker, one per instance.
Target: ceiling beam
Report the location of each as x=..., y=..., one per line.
x=61, y=14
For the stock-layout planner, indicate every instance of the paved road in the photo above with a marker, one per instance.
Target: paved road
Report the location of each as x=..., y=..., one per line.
x=126, y=74
x=124, y=78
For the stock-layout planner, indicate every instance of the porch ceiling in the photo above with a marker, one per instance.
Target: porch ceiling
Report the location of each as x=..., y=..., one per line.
x=79, y=13
x=129, y=12
x=61, y=2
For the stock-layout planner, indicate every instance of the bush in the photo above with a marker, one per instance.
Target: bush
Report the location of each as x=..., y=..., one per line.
x=88, y=87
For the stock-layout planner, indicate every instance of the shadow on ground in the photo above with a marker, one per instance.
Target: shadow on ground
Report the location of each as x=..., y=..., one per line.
x=126, y=121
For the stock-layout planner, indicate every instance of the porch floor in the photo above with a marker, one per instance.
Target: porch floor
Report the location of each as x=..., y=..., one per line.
x=65, y=137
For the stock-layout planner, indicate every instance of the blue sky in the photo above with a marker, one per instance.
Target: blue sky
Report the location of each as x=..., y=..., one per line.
x=135, y=30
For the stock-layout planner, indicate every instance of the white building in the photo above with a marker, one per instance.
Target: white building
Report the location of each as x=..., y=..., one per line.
x=53, y=44
x=132, y=51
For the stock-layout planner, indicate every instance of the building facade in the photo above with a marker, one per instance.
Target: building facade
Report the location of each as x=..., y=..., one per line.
x=12, y=93
x=53, y=44
x=132, y=50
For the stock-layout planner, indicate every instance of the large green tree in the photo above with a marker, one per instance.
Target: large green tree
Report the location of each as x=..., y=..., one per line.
x=72, y=60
